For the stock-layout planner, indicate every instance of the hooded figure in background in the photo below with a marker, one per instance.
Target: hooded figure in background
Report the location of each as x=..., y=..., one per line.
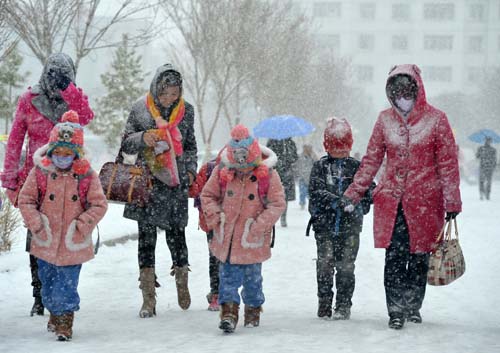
x=419, y=186
x=38, y=110
x=286, y=150
x=160, y=134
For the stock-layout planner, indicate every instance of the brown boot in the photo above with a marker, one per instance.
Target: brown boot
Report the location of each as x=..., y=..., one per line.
x=229, y=317
x=181, y=282
x=51, y=325
x=148, y=280
x=252, y=316
x=64, y=326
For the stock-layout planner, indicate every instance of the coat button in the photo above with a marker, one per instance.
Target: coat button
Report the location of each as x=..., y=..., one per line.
x=251, y=197
x=230, y=193
x=52, y=197
x=53, y=175
x=253, y=178
x=74, y=198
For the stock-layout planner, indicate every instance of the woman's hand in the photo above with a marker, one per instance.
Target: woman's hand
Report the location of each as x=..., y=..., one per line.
x=150, y=139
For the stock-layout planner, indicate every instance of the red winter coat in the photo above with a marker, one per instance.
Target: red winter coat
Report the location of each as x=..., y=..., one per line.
x=61, y=228
x=242, y=225
x=421, y=171
x=28, y=120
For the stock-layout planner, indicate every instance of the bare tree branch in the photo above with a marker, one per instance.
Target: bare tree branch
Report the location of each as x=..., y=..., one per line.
x=47, y=26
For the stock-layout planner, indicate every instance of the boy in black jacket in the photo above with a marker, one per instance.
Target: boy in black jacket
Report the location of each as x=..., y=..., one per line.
x=336, y=231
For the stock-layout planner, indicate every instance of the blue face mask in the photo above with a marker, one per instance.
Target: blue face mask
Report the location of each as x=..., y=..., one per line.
x=63, y=162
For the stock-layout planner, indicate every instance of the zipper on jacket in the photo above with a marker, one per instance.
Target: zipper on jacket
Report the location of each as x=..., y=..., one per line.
x=340, y=164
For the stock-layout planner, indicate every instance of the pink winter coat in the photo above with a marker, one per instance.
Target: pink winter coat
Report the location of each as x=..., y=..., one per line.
x=28, y=120
x=61, y=228
x=242, y=225
x=421, y=171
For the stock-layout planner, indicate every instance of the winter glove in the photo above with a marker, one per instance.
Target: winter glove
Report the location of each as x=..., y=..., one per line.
x=346, y=204
x=58, y=80
x=62, y=82
x=451, y=215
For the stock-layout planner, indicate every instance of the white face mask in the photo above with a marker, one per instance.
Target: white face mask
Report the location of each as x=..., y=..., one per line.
x=405, y=104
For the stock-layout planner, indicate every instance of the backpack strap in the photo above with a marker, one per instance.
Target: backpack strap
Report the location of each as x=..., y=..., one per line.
x=41, y=182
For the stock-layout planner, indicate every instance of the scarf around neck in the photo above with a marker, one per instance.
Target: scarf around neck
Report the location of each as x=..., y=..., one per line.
x=164, y=165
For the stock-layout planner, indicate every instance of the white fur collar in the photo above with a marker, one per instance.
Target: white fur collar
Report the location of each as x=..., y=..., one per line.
x=269, y=162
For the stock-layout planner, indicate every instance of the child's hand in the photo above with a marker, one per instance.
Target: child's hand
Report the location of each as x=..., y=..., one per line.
x=346, y=204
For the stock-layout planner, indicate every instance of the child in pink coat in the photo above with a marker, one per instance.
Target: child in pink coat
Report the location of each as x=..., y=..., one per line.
x=60, y=221
x=241, y=214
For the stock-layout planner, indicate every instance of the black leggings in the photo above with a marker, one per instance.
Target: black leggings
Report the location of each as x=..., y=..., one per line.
x=176, y=241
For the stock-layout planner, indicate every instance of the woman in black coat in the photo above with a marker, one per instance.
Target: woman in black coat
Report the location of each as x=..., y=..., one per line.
x=160, y=131
x=286, y=150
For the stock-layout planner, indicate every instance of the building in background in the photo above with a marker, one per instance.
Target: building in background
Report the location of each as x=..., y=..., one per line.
x=451, y=41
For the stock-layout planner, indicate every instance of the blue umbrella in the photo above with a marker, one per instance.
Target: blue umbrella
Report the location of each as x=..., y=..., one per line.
x=480, y=136
x=282, y=126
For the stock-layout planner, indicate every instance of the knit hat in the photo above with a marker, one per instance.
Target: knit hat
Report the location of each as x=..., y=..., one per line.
x=243, y=150
x=68, y=133
x=338, y=135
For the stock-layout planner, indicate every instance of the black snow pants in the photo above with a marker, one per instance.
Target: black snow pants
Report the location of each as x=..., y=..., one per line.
x=336, y=257
x=213, y=268
x=405, y=274
x=176, y=241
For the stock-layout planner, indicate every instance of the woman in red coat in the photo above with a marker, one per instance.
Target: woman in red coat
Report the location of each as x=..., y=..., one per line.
x=420, y=183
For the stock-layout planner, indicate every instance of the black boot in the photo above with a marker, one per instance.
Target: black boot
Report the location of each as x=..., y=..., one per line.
x=325, y=308
x=414, y=316
x=38, y=307
x=396, y=321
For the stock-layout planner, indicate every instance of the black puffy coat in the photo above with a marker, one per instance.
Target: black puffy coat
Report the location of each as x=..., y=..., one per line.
x=168, y=206
x=330, y=177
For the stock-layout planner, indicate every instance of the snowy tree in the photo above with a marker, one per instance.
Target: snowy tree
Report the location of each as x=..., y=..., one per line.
x=124, y=85
x=7, y=40
x=48, y=26
x=10, y=80
x=229, y=44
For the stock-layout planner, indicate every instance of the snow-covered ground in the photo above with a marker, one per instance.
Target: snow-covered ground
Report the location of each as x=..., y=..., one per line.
x=461, y=317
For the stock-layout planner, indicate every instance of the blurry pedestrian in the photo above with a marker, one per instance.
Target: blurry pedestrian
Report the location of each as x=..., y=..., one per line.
x=61, y=224
x=418, y=191
x=38, y=110
x=303, y=170
x=286, y=150
x=487, y=156
x=242, y=201
x=160, y=131
x=336, y=231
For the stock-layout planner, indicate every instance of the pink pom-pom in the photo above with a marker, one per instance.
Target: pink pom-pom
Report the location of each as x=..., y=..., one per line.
x=70, y=116
x=46, y=161
x=81, y=166
x=239, y=132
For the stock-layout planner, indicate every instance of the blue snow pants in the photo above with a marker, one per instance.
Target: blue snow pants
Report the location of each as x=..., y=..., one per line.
x=232, y=277
x=59, y=287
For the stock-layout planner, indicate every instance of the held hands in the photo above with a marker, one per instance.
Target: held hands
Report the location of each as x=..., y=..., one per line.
x=346, y=204
x=451, y=215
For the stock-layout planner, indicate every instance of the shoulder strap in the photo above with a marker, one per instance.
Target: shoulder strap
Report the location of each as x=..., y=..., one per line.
x=263, y=188
x=41, y=182
x=83, y=188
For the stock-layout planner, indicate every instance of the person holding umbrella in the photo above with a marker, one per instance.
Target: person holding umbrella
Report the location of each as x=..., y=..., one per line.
x=487, y=156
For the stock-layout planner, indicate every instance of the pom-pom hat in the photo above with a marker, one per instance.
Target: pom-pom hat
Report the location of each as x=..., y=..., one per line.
x=338, y=135
x=243, y=150
x=68, y=133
